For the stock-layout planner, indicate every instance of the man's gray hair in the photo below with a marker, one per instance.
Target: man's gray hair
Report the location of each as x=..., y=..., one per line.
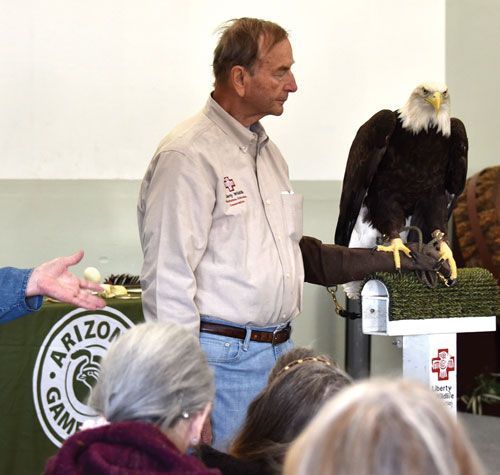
x=155, y=372
x=239, y=44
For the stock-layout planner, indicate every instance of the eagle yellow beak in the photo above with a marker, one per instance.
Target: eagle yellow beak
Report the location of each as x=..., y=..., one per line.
x=435, y=100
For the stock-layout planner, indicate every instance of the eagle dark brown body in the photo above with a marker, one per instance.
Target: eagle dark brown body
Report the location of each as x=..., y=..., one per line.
x=396, y=173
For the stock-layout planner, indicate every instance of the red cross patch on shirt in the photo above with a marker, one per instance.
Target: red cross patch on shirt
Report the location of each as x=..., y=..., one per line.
x=229, y=184
x=234, y=196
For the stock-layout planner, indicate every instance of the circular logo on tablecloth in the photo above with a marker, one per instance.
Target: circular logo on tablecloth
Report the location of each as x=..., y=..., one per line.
x=67, y=367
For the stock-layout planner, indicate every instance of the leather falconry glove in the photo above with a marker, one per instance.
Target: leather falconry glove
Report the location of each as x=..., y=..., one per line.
x=330, y=264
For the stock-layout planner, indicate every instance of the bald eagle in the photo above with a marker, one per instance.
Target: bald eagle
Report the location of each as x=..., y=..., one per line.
x=405, y=167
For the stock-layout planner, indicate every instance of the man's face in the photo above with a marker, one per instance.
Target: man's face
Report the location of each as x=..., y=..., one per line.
x=272, y=80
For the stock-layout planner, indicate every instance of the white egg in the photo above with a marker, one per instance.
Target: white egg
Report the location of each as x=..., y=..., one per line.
x=92, y=274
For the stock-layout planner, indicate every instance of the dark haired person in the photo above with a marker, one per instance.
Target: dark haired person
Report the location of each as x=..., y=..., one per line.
x=220, y=224
x=299, y=385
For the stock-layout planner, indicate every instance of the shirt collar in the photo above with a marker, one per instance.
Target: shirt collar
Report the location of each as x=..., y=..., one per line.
x=247, y=139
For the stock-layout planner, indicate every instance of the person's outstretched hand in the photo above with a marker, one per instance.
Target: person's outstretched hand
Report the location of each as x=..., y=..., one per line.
x=53, y=279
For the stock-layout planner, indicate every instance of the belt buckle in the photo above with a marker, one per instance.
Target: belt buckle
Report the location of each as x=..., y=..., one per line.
x=275, y=334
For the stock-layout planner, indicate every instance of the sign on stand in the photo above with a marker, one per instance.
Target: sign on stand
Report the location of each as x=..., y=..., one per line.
x=429, y=344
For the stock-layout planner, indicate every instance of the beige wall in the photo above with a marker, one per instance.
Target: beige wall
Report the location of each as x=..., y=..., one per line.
x=473, y=75
x=87, y=89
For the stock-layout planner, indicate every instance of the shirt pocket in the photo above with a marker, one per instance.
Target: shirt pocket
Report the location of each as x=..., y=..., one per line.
x=292, y=210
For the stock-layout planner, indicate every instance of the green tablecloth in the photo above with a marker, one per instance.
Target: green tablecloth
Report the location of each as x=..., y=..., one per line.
x=49, y=360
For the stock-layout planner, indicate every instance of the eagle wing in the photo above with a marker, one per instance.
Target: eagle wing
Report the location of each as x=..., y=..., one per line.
x=456, y=174
x=367, y=150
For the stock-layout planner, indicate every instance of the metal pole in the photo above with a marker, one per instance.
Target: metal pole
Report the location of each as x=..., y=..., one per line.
x=357, y=344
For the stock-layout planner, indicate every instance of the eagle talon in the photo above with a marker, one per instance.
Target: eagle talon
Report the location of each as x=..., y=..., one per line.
x=447, y=255
x=395, y=247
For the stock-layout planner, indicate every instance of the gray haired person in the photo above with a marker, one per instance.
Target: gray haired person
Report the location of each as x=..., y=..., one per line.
x=153, y=394
x=382, y=427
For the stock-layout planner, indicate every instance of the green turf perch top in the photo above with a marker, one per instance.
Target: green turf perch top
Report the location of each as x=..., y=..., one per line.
x=475, y=295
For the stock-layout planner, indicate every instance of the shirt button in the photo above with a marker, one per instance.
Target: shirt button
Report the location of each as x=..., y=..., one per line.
x=279, y=238
x=243, y=149
x=268, y=202
x=283, y=317
x=287, y=275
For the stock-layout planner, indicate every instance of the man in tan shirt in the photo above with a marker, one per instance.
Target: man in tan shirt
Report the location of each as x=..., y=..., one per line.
x=221, y=226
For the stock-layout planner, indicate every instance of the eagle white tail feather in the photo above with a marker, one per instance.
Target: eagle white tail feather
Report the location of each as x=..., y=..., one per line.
x=364, y=235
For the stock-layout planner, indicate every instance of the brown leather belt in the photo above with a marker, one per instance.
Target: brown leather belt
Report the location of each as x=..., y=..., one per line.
x=276, y=337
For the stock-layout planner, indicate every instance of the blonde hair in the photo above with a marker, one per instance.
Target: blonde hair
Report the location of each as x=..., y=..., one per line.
x=382, y=427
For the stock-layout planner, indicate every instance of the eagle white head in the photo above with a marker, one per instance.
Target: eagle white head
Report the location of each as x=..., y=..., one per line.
x=427, y=106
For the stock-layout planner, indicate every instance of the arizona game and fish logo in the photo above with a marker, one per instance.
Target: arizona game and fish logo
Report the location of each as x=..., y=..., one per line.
x=67, y=367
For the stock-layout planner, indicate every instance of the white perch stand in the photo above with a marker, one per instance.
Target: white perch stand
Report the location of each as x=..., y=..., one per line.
x=429, y=345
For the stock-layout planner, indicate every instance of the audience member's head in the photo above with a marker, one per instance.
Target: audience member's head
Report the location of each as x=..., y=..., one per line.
x=294, y=356
x=154, y=373
x=298, y=387
x=153, y=394
x=383, y=428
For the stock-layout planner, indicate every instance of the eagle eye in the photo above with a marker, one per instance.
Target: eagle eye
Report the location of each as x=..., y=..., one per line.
x=445, y=93
x=425, y=91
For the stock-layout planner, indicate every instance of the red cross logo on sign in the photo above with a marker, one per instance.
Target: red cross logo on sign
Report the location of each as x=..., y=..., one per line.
x=229, y=183
x=443, y=364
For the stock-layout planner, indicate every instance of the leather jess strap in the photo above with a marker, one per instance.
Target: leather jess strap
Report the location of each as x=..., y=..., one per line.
x=275, y=337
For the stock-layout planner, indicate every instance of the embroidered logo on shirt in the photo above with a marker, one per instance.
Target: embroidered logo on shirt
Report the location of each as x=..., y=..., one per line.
x=234, y=196
x=229, y=184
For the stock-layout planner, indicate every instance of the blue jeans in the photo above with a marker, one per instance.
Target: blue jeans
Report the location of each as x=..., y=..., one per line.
x=241, y=369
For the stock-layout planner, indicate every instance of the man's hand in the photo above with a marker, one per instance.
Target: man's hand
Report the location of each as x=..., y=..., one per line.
x=53, y=279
